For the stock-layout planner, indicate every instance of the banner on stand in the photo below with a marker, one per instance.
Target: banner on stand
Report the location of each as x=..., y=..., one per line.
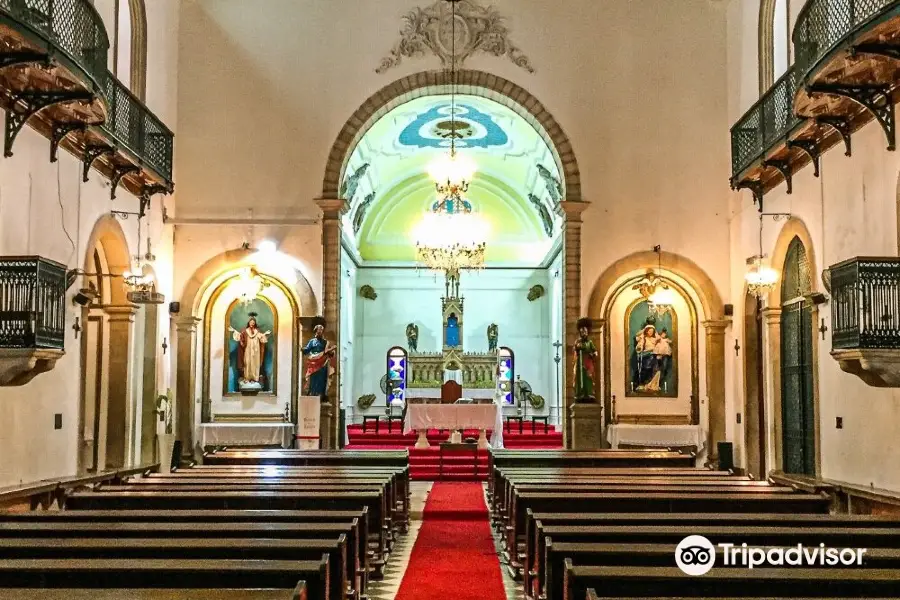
x=308, y=416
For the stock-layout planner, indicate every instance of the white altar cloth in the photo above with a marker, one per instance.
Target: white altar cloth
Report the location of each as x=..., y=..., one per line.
x=449, y=416
x=247, y=434
x=656, y=436
x=436, y=393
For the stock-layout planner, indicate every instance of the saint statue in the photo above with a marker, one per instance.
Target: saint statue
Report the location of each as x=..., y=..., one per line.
x=320, y=362
x=412, y=337
x=585, y=357
x=251, y=353
x=493, y=332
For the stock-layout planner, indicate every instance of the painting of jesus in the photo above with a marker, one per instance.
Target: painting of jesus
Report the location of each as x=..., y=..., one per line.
x=651, y=352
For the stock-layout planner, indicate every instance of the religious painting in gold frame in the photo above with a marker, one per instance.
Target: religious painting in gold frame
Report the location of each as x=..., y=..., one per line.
x=651, y=351
x=237, y=323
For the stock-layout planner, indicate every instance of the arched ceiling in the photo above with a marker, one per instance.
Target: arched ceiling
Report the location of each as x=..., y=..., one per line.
x=515, y=191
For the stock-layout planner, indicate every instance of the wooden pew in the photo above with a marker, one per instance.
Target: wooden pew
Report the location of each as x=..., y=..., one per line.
x=298, y=593
x=668, y=582
x=652, y=555
x=161, y=573
x=193, y=549
x=399, y=458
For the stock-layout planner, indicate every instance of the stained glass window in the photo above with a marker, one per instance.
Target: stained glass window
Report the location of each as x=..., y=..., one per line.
x=396, y=375
x=507, y=374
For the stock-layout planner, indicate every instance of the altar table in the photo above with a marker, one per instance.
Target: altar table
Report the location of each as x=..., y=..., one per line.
x=421, y=417
x=656, y=436
x=247, y=434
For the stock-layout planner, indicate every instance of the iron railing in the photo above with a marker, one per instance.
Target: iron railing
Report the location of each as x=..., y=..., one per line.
x=865, y=303
x=32, y=302
x=73, y=26
x=822, y=26
x=768, y=121
x=132, y=125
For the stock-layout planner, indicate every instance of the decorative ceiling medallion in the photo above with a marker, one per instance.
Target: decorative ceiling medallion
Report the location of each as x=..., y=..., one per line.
x=429, y=29
x=470, y=128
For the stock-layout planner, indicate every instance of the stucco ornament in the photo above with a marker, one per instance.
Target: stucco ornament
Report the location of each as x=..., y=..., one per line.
x=478, y=29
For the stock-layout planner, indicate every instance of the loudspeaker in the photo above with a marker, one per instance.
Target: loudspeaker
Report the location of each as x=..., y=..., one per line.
x=726, y=456
x=81, y=299
x=174, y=307
x=729, y=310
x=176, y=455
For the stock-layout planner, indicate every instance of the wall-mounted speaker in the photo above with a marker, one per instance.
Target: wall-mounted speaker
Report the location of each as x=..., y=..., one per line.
x=81, y=299
x=729, y=310
x=174, y=307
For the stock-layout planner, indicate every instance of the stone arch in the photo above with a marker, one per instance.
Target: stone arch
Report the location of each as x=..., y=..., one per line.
x=108, y=234
x=438, y=82
x=195, y=288
x=610, y=283
x=794, y=228
x=766, y=48
x=138, y=14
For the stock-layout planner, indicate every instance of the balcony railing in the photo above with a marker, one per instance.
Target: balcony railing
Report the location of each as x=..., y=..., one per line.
x=767, y=122
x=32, y=303
x=865, y=304
x=823, y=26
x=135, y=127
x=73, y=26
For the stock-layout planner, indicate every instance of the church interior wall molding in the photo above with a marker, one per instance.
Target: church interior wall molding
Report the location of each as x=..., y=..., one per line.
x=430, y=29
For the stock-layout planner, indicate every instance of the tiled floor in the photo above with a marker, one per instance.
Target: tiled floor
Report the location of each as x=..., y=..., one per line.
x=396, y=567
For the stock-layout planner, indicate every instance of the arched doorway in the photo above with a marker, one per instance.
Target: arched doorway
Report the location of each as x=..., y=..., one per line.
x=798, y=415
x=106, y=352
x=343, y=213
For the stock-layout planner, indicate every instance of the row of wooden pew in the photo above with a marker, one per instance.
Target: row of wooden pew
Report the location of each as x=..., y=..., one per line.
x=316, y=525
x=576, y=526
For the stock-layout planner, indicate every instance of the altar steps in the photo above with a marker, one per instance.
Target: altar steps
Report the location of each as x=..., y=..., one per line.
x=459, y=465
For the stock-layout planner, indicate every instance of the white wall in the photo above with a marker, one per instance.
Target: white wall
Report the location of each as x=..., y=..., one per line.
x=490, y=296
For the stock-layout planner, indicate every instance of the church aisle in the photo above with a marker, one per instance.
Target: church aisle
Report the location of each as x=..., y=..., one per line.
x=454, y=555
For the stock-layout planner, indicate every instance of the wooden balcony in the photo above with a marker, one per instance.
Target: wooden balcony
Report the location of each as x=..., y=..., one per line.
x=865, y=318
x=53, y=77
x=846, y=73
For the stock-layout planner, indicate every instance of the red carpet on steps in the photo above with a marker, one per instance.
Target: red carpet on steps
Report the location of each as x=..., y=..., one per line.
x=454, y=555
x=459, y=465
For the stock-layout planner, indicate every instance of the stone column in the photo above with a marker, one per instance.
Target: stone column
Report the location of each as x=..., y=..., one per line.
x=186, y=382
x=772, y=357
x=121, y=322
x=715, y=385
x=571, y=213
x=332, y=209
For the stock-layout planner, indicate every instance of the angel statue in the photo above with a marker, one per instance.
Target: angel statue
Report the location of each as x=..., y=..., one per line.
x=251, y=352
x=493, y=332
x=412, y=337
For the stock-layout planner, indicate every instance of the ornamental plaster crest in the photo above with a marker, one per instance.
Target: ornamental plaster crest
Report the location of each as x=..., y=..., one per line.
x=430, y=29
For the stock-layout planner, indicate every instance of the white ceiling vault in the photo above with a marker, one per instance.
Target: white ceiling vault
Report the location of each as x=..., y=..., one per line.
x=515, y=191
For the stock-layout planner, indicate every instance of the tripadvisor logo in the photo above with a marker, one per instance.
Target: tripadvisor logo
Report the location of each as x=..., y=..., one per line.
x=696, y=555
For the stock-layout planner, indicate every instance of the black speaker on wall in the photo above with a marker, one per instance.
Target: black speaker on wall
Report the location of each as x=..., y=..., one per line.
x=174, y=307
x=726, y=456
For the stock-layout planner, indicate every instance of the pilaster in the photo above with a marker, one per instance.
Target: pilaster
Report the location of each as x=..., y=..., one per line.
x=121, y=324
x=715, y=384
x=332, y=209
x=772, y=352
x=186, y=356
x=571, y=212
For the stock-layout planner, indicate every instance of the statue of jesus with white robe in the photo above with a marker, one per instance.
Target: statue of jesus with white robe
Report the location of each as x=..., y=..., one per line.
x=252, y=351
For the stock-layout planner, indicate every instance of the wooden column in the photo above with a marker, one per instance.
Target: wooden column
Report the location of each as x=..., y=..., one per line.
x=571, y=213
x=332, y=209
x=121, y=324
x=186, y=353
x=715, y=384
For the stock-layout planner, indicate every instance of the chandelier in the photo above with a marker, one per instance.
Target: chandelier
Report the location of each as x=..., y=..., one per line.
x=139, y=278
x=761, y=279
x=657, y=292
x=451, y=240
x=452, y=172
x=249, y=285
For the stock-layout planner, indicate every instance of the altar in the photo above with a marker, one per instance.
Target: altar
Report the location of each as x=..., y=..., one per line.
x=422, y=417
x=656, y=436
x=247, y=434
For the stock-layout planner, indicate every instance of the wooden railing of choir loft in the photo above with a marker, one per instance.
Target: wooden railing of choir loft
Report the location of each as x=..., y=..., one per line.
x=797, y=119
x=79, y=104
x=32, y=303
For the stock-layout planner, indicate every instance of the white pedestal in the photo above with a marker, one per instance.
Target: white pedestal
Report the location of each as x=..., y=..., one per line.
x=482, y=440
x=166, y=444
x=422, y=441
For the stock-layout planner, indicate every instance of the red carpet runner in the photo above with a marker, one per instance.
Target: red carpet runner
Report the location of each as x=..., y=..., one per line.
x=454, y=555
